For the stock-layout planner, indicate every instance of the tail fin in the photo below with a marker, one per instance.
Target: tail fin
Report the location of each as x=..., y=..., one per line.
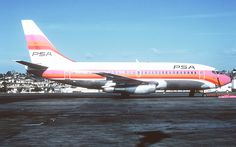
x=41, y=50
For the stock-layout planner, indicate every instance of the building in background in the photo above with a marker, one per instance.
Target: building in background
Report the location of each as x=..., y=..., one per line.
x=14, y=82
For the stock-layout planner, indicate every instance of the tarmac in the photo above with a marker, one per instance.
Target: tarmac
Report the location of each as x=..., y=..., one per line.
x=109, y=120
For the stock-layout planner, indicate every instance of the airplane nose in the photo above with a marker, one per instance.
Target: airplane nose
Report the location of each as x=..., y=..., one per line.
x=226, y=79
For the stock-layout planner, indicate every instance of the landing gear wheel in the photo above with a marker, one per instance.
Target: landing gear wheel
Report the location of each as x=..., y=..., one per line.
x=203, y=94
x=124, y=95
x=191, y=93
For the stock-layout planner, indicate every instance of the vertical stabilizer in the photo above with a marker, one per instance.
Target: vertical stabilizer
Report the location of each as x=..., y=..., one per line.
x=41, y=50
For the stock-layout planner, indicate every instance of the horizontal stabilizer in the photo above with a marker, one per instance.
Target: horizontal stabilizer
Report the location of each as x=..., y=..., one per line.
x=32, y=65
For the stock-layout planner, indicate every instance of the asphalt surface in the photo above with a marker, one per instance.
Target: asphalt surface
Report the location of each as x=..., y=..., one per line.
x=108, y=120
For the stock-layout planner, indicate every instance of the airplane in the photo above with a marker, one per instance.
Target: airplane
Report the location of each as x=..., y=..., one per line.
x=115, y=77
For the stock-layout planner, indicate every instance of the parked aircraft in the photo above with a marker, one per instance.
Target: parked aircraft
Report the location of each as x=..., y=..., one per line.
x=115, y=77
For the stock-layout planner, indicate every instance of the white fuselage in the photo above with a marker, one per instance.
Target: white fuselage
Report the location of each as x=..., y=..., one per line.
x=168, y=75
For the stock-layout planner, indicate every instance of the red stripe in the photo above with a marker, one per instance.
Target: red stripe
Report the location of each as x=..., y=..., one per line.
x=40, y=47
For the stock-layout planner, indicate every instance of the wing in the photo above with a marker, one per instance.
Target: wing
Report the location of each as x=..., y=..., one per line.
x=120, y=80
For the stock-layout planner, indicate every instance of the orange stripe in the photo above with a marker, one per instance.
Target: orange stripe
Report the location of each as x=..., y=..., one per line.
x=39, y=43
x=78, y=76
x=36, y=47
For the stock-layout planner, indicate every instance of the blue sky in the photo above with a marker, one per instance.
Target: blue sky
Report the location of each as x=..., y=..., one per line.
x=195, y=31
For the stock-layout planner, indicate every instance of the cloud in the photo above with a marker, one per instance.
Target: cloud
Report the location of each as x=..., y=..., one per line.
x=89, y=55
x=156, y=50
x=93, y=55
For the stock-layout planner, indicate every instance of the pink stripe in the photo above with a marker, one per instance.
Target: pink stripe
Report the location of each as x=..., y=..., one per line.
x=91, y=70
x=36, y=38
x=54, y=72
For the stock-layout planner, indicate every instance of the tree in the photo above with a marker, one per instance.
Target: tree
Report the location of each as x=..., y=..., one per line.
x=37, y=89
x=9, y=73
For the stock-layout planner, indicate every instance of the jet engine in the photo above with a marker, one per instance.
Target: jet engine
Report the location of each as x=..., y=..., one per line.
x=161, y=84
x=140, y=89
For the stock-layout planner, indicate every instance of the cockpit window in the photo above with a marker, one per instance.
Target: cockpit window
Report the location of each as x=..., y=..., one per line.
x=218, y=72
x=215, y=72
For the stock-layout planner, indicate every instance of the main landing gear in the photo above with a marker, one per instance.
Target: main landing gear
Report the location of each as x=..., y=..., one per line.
x=191, y=93
x=124, y=95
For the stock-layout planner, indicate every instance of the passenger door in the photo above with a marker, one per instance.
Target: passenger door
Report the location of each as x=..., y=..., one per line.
x=67, y=75
x=201, y=75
